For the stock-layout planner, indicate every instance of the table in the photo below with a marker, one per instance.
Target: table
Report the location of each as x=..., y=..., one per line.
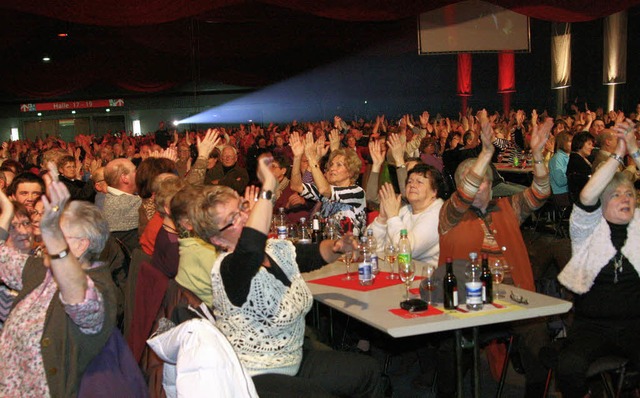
x=372, y=308
x=508, y=168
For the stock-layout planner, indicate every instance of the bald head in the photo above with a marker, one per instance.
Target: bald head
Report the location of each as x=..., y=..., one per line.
x=121, y=174
x=607, y=140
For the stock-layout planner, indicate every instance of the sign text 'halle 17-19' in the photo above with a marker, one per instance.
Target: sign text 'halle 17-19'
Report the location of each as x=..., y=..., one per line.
x=70, y=105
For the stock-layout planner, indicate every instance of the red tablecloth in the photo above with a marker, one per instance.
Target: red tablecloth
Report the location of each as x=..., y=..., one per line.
x=378, y=283
x=408, y=315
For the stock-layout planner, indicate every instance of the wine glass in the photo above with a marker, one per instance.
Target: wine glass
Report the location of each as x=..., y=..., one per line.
x=428, y=284
x=348, y=258
x=407, y=271
x=497, y=276
x=391, y=253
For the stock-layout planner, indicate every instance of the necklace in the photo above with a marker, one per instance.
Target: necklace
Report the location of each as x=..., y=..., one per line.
x=617, y=266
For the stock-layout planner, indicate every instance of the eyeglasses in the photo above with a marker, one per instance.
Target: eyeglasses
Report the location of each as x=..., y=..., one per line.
x=35, y=212
x=24, y=224
x=243, y=207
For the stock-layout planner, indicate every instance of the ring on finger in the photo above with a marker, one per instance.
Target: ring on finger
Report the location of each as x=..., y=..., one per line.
x=55, y=208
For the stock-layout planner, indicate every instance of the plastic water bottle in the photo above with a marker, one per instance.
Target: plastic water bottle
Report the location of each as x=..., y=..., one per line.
x=364, y=267
x=372, y=246
x=473, y=283
x=281, y=225
x=404, y=249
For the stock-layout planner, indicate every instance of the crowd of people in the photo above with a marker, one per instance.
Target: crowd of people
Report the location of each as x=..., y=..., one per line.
x=200, y=206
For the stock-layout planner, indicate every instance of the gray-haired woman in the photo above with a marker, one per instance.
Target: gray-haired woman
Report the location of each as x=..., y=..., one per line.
x=65, y=311
x=604, y=270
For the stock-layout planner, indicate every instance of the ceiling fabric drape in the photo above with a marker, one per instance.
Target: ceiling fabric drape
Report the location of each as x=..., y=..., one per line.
x=148, y=46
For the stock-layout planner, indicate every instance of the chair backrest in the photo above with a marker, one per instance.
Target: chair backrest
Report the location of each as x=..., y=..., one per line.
x=116, y=256
x=137, y=257
x=174, y=307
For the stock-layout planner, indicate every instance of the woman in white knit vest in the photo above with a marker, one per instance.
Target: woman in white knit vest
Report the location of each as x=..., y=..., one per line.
x=604, y=270
x=260, y=299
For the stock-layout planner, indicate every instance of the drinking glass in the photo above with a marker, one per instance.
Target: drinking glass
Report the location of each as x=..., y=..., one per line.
x=407, y=273
x=428, y=283
x=391, y=253
x=497, y=276
x=348, y=258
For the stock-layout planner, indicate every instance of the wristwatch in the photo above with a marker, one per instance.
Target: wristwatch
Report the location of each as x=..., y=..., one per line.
x=64, y=253
x=265, y=195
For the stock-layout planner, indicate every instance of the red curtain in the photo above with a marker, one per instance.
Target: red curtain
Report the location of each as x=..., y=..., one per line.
x=506, y=78
x=464, y=79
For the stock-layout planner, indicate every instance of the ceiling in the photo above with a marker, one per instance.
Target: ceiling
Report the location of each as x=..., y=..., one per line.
x=143, y=47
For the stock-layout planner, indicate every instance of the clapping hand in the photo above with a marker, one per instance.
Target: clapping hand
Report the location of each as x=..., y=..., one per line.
x=540, y=135
x=390, y=202
x=377, y=153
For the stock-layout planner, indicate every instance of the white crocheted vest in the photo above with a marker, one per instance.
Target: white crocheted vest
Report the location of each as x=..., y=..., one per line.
x=267, y=332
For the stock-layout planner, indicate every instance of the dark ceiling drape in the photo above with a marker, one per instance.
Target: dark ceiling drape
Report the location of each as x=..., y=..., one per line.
x=150, y=12
x=149, y=46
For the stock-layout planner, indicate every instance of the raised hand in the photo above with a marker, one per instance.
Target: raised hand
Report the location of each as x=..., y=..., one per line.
x=377, y=153
x=487, y=134
x=296, y=144
x=396, y=145
x=540, y=135
x=310, y=148
x=520, y=117
x=389, y=201
x=264, y=173
x=334, y=140
x=625, y=131
x=54, y=202
x=208, y=143
x=251, y=195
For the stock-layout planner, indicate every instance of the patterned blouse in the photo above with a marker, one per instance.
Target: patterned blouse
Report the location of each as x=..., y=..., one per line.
x=22, y=372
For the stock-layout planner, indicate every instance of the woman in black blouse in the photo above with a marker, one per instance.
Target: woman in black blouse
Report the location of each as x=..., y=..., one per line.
x=579, y=167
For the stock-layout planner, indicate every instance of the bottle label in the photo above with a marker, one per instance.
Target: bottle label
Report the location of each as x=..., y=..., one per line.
x=455, y=297
x=484, y=293
x=282, y=231
x=374, y=264
x=474, y=292
x=364, y=273
x=404, y=258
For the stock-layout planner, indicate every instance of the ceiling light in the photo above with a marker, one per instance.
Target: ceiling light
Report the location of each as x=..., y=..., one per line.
x=63, y=34
x=107, y=110
x=46, y=59
x=73, y=112
x=39, y=113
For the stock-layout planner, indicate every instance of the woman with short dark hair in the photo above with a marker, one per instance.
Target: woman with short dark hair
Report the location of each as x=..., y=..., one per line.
x=579, y=166
x=424, y=191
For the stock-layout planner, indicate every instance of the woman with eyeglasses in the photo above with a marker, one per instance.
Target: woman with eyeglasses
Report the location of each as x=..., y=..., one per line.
x=65, y=311
x=260, y=299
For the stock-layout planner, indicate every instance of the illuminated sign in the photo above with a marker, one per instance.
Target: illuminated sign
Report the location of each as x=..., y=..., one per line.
x=69, y=105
